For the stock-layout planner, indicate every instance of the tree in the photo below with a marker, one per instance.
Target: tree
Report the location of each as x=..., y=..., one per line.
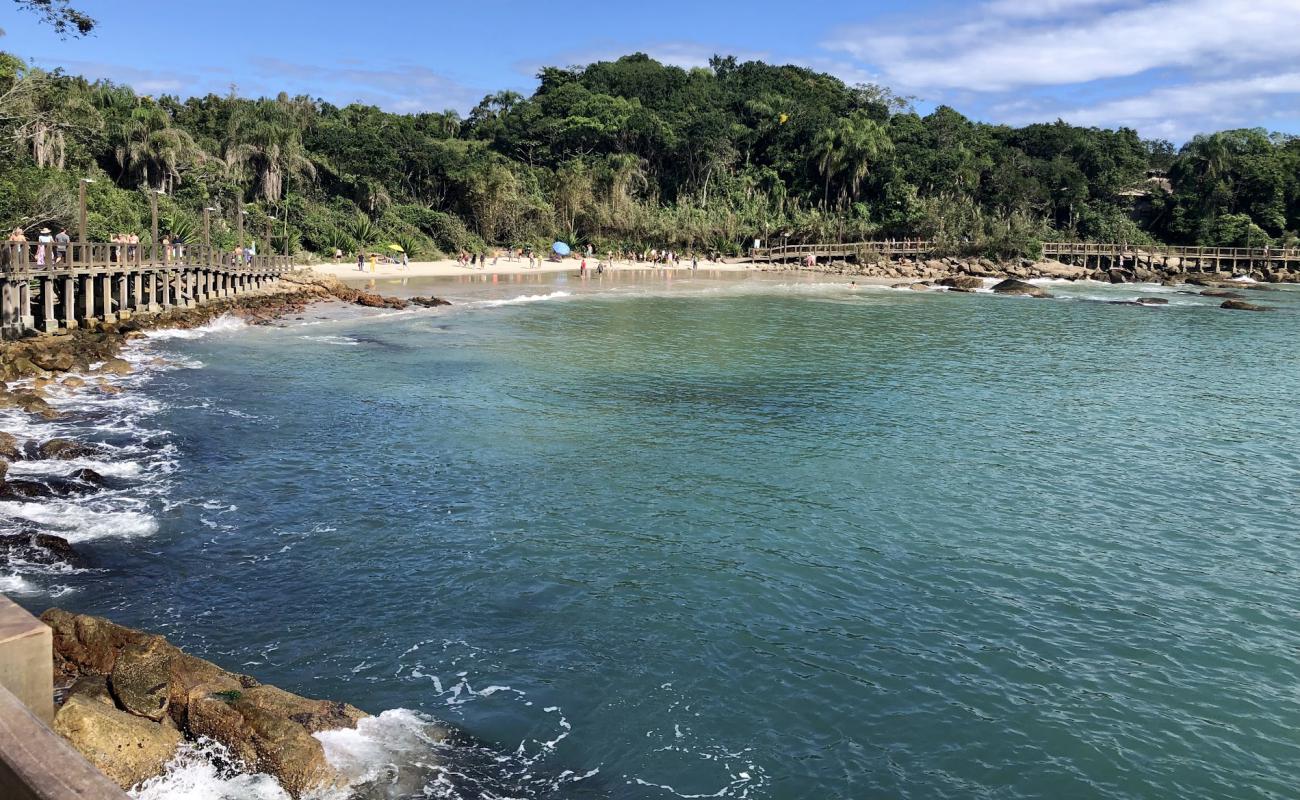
x=65, y=20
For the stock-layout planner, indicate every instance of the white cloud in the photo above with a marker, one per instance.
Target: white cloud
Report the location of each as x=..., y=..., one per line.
x=1178, y=112
x=1060, y=42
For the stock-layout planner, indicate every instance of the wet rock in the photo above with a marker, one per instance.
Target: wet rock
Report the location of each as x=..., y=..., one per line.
x=962, y=282
x=20, y=490
x=268, y=729
x=1242, y=305
x=1013, y=286
x=430, y=302
x=1152, y=301
x=115, y=366
x=67, y=449
x=1221, y=293
x=126, y=748
x=9, y=448
x=260, y=726
x=37, y=548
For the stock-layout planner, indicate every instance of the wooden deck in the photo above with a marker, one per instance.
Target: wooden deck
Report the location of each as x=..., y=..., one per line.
x=55, y=287
x=1096, y=255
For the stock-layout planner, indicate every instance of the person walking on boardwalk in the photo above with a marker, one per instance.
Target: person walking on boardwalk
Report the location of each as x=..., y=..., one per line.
x=44, y=240
x=61, y=241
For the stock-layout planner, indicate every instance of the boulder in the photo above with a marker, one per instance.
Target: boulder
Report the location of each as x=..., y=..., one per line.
x=967, y=282
x=1152, y=301
x=87, y=645
x=141, y=677
x=1013, y=286
x=919, y=287
x=67, y=449
x=115, y=366
x=430, y=302
x=1242, y=305
x=37, y=548
x=1221, y=293
x=126, y=748
x=92, y=687
x=1055, y=269
x=53, y=360
x=260, y=728
x=9, y=447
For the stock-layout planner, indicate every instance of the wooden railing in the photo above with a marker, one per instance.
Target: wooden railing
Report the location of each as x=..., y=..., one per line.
x=898, y=248
x=39, y=257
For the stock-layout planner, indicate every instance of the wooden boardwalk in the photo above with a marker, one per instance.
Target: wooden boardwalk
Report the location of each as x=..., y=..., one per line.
x=53, y=287
x=1093, y=255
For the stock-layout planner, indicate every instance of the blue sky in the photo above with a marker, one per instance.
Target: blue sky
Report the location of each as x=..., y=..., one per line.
x=1169, y=68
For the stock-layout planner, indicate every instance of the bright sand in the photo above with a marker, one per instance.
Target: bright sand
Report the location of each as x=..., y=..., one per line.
x=347, y=270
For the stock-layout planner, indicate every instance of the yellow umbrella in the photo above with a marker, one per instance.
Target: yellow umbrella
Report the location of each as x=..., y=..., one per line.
x=396, y=247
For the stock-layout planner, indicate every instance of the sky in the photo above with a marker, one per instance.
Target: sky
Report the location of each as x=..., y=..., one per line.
x=1169, y=68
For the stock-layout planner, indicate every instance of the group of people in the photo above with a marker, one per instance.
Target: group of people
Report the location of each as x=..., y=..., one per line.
x=375, y=259
x=49, y=249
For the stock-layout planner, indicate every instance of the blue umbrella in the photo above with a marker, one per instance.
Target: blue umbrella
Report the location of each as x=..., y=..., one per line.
x=560, y=248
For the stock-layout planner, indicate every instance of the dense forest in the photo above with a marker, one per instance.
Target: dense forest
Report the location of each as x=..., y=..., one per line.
x=629, y=153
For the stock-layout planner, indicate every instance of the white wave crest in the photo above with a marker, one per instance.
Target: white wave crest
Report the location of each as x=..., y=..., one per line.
x=78, y=523
x=223, y=324
x=200, y=771
x=527, y=298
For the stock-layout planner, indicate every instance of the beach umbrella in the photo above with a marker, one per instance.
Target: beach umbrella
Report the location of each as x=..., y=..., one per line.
x=396, y=247
x=560, y=248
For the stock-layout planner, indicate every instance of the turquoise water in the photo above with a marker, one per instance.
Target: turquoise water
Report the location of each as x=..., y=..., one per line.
x=781, y=538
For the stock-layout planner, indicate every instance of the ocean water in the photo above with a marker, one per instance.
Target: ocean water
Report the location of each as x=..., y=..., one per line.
x=765, y=537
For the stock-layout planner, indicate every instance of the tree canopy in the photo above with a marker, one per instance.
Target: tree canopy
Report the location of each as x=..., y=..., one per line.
x=629, y=153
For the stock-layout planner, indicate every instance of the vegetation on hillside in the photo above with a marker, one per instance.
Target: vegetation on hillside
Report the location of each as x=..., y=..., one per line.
x=630, y=153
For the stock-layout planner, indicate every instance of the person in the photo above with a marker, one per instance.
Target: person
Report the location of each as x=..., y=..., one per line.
x=15, y=252
x=406, y=261
x=695, y=261
x=61, y=246
x=582, y=268
x=374, y=260
x=167, y=249
x=44, y=240
x=133, y=246
x=338, y=255
x=361, y=261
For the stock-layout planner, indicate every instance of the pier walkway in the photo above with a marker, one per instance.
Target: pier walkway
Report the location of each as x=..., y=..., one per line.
x=52, y=287
x=1093, y=255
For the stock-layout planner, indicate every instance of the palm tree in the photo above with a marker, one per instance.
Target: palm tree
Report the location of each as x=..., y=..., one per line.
x=150, y=151
x=266, y=143
x=851, y=144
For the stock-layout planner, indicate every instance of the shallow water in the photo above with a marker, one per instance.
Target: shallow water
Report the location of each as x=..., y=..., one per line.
x=757, y=537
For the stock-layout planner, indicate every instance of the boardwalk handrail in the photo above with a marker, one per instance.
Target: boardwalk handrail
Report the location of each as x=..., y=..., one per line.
x=916, y=247
x=54, y=286
x=31, y=257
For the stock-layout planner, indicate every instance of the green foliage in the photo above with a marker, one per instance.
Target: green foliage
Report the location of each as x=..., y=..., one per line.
x=625, y=154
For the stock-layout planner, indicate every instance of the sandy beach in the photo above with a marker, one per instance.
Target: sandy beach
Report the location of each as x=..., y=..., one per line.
x=449, y=268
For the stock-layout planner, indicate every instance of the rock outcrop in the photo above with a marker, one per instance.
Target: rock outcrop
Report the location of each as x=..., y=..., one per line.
x=126, y=748
x=135, y=697
x=1242, y=305
x=1013, y=286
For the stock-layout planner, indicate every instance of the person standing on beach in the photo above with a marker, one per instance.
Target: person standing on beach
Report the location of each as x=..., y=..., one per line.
x=361, y=261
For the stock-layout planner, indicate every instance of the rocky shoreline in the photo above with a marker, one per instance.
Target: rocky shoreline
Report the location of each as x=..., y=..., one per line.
x=130, y=699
